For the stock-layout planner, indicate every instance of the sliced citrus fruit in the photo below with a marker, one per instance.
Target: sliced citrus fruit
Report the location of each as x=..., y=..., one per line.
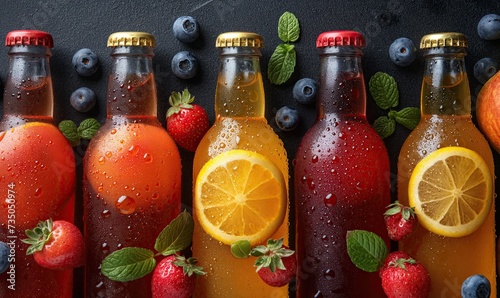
x=451, y=190
x=239, y=195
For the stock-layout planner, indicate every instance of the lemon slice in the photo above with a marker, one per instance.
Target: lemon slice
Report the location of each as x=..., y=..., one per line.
x=451, y=190
x=240, y=195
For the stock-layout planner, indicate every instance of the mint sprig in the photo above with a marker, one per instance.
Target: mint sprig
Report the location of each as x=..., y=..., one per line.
x=384, y=90
x=282, y=62
x=86, y=130
x=131, y=263
x=366, y=250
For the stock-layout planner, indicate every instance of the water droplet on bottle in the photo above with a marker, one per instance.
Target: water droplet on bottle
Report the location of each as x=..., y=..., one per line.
x=133, y=149
x=105, y=213
x=310, y=183
x=315, y=159
x=318, y=295
x=330, y=200
x=38, y=192
x=104, y=248
x=329, y=274
x=126, y=205
x=108, y=154
x=148, y=158
x=102, y=160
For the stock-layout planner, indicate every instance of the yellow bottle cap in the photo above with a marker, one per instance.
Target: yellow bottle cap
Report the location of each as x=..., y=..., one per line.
x=239, y=39
x=445, y=39
x=128, y=39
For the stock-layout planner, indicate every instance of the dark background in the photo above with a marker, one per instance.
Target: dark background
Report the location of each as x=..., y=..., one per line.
x=79, y=24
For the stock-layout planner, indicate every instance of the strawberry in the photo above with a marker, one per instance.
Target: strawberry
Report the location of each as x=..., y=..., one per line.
x=400, y=221
x=276, y=264
x=175, y=276
x=187, y=123
x=56, y=245
x=403, y=276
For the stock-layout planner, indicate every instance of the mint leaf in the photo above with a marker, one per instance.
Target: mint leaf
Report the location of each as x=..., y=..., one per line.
x=88, y=128
x=384, y=126
x=128, y=264
x=366, y=250
x=288, y=27
x=241, y=249
x=384, y=90
x=281, y=64
x=70, y=131
x=176, y=236
x=408, y=117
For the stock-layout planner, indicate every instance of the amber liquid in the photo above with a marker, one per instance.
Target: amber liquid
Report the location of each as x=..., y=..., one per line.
x=449, y=260
x=341, y=184
x=227, y=276
x=132, y=185
x=37, y=182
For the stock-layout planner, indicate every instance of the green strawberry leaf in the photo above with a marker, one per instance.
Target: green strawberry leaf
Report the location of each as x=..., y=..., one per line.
x=366, y=250
x=408, y=117
x=384, y=90
x=128, y=264
x=384, y=126
x=281, y=64
x=288, y=27
x=70, y=131
x=88, y=128
x=241, y=249
x=176, y=236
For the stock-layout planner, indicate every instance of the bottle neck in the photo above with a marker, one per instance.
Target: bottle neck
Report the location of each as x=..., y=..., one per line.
x=131, y=84
x=445, y=86
x=240, y=91
x=28, y=94
x=341, y=83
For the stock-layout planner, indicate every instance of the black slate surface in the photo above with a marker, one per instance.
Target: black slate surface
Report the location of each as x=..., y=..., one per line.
x=78, y=24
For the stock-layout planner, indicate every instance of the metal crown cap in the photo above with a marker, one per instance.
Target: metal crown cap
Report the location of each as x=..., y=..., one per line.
x=130, y=39
x=29, y=37
x=340, y=38
x=444, y=39
x=239, y=39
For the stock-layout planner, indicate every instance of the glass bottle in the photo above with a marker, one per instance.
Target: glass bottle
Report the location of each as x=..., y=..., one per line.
x=446, y=121
x=132, y=168
x=240, y=124
x=341, y=177
x=37, y=166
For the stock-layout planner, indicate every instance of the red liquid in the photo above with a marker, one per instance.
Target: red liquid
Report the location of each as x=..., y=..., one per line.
x=37, y=179
x=132, y=179
x=341, y=184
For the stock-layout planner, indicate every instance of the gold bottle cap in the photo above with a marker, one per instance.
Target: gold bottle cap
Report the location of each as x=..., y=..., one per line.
x=445, y=39
x=127, y=39
x=239, y=39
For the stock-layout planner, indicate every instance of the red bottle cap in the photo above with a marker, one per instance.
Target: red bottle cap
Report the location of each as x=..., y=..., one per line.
x=340, y=38
x=29, y=37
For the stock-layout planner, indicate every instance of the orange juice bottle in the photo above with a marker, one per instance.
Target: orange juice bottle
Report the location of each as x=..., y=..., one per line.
x=341, y=176
x=37, y=166
x=446, y=121
x=132, y=168
x=239, y=124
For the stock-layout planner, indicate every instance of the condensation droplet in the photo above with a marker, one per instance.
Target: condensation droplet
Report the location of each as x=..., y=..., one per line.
x=126, y=205
x=330, y=200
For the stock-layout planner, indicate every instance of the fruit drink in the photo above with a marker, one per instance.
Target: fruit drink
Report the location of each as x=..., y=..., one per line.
x=341, y=177
x=446, y=121
x=240, y=124
x=132, y=169
x=37, y=166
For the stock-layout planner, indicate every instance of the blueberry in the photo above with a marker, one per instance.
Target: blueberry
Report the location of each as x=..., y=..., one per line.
x=4, y=257
x=488, y=27
x=402, y=51
x=484, y=69
x=184, y=65
x=83, y=99
x=476, y=286
x=85, y=62
x=186, y=29
x=304, y=91
x=287, y=118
